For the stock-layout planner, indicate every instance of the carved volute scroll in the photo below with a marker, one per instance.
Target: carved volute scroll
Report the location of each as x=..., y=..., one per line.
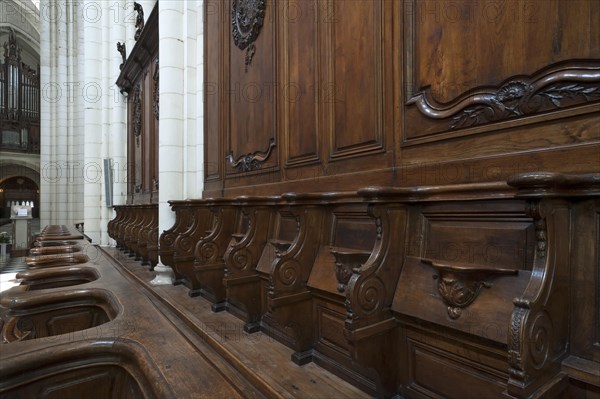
x=167, y=238
x=539, y=327
x=294, y=261
x=250, y=162
x=562, y=86
x=242, y=256
x=209, y=266
x=460, y=284
x=370, y=290
x=247, y=17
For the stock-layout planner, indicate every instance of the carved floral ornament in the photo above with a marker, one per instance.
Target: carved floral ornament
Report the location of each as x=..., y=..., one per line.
x=460, y=285
x=253, y=161
x=247, y=17
x=545, y=90
x=137, y=112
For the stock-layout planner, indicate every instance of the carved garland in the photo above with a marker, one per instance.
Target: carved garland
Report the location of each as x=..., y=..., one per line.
x=137, y=113
x=253, y=161
x=520, y=96
x=156, y=94
x=247, y=17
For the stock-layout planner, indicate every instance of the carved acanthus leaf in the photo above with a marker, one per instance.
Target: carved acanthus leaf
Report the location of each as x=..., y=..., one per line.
x=253, y=161
x=460, y=285
x=546, y=90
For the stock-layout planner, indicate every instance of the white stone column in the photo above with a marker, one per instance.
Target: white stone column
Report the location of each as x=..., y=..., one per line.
x=179, y=125
x=61, y=155
x=105, y=112
x=170, y=126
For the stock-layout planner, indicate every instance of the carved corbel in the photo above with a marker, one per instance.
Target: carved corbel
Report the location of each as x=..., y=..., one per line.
x=459, y=285
x=345, y=262
x=123, y=51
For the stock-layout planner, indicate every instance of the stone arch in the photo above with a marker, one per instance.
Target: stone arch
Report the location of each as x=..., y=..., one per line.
x=10, y=176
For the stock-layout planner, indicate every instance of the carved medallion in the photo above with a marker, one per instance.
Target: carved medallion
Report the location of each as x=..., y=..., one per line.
x=247, y=17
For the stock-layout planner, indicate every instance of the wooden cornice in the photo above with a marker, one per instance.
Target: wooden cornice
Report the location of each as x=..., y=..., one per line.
x=141, y=54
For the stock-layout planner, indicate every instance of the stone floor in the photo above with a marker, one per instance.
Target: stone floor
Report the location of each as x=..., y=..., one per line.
x=9, y=267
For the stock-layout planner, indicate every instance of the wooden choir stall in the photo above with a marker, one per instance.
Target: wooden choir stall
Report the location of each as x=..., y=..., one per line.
x=401, y=200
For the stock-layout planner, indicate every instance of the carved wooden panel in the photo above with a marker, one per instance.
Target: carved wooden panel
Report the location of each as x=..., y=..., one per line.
x=585, y=299
x=252, y=75
x=471, y=64
x=501, y=236
x=301, y=91
x=214, y=13
x=429, y=357
x=353, y=228
x=139, y=77
x=355, y=96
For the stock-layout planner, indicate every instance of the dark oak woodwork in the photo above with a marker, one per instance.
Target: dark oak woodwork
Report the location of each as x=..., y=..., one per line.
x=100, y=338
x=419, y=251
x=139, y=79
x=208, y=268
x=383, y=92
x=41, y=314
x=135, y=230
x=242, y=281
x=477, y=283
x=202, y=220
x=183, y=220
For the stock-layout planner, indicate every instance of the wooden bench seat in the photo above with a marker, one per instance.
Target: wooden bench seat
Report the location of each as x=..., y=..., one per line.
x=402, y=290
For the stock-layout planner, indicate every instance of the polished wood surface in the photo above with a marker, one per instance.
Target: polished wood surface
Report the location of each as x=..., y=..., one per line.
x=400, y=93
x=101, y=329
x=470, y=282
